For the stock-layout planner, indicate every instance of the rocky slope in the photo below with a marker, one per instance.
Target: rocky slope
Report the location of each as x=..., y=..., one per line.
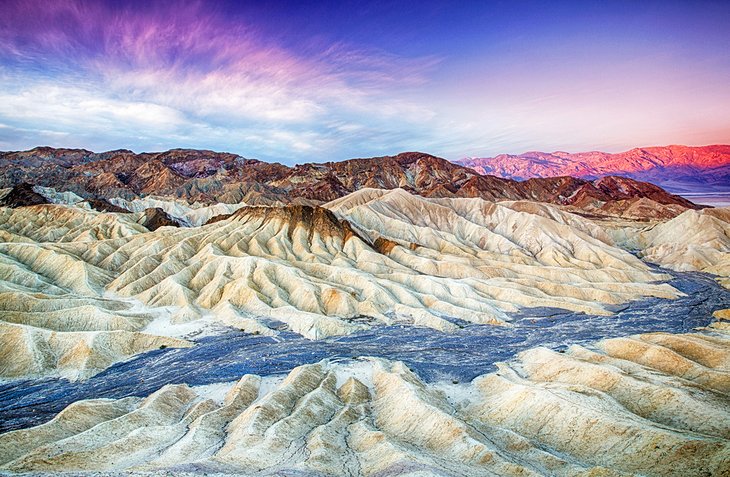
x=676, y=168
x=54, y=317
x=194, y=215
x=695, y=240
x=21, y=195
x=653, y=404
x=154, y=218
x=373, y=257
x=209, y=178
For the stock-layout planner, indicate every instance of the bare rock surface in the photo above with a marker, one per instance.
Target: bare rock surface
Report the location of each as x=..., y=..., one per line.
x=195, y=214
x=695, y=240
x=22, y=195
x=652, y=404
x=373, y=257
x=153, y=219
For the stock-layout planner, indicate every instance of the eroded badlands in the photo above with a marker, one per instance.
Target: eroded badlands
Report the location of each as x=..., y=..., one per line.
x=85, y=284
x=653, y=404
x=79, y=288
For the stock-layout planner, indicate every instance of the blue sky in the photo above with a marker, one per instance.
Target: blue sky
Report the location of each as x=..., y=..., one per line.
x=297, y=82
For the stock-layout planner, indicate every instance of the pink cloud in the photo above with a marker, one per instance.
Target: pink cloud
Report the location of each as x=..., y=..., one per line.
x=189, y=56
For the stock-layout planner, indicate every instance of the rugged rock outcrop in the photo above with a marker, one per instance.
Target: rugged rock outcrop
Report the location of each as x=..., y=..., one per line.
x=22, y=195
x=105, y=206
x=153, y=219
x=313, y=220
x=54, y=317
x=59, y=223
x=30, y=351
x=653, y=404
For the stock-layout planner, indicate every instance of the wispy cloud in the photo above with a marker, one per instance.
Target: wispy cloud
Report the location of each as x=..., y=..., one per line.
x=172, y=73
x=171, y=70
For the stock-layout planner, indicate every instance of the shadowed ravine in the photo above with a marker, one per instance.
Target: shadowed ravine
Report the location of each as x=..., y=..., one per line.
x=434, y=355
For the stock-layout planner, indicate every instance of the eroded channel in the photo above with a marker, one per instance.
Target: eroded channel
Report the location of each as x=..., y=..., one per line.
x=458, y=357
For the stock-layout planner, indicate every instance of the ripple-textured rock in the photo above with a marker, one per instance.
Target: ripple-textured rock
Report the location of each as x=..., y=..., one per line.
x=652, y=404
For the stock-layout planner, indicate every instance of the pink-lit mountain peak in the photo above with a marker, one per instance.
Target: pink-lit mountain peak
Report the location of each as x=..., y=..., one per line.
x=679, y=168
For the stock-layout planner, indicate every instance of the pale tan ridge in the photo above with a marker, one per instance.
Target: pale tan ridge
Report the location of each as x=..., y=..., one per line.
x=604, y=411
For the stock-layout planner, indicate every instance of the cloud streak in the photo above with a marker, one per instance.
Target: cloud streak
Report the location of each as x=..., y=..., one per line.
x=171, y=70
x=158, y=74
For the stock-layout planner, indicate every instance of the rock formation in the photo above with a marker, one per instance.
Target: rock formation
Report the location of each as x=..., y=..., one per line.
x=194, y=215
x=105, y=206
x=58, y=223
x=54, y=317
x=153, y=219
x=653, y=404
x=386, y=256
x=116, y=254
x=693, y=241
x=22, y=195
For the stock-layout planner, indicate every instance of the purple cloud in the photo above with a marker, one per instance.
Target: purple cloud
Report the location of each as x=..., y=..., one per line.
x=294, y=83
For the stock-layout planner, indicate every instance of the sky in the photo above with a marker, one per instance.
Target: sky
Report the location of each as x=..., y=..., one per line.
x=297, y=82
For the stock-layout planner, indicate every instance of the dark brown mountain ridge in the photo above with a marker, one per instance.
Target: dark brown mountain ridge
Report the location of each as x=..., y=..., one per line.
x=210, y=177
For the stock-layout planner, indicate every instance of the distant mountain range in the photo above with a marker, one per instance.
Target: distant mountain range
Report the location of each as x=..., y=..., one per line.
x=210, y=177
x=678, y=169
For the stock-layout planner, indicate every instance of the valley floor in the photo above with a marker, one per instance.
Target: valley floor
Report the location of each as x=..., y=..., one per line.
x=649, y=404
x=717, y=199
x=435, y=356
x=383, y=334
